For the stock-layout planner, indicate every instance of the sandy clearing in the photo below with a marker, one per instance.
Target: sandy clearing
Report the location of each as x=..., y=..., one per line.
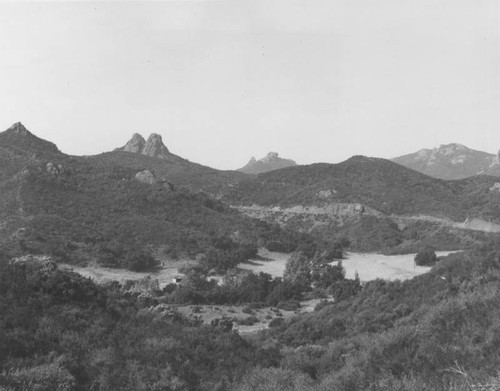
x=369, y=266
x=388, y=267
x=100, y=274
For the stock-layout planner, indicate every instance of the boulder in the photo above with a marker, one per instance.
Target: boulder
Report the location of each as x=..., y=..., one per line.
x=146, y=177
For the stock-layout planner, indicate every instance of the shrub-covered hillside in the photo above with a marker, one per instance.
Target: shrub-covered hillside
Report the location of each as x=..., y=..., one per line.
x=378, y=183
x=438, y=331
x=83, y=208
x=181, y=173
x=61, y=332
x=412, y=335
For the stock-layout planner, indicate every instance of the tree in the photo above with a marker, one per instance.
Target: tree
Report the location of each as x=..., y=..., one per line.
x=298, y=269
x=426, y=257
x=327, y=275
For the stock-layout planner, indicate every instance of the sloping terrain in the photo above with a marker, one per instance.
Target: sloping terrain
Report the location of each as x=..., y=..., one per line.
x=139, y=154
x=451, y=161
x=81, y=208
x=376, y=203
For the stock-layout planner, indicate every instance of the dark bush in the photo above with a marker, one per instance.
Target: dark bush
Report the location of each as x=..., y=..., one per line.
x=276, y=322
x=289, y=305
x=426, y=257
x=248, y=321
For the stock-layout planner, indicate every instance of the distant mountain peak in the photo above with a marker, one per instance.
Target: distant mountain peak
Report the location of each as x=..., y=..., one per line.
x=448, y=149
x=25, y=142
x=19, y=128
x=153, y=147
x=451, y=161
x=270, y=157
x=270, y=162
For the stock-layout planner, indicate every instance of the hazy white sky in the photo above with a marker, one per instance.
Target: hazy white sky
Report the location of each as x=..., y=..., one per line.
x=224, y=80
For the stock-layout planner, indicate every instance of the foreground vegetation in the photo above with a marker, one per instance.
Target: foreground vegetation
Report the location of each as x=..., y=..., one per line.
x=59, y=331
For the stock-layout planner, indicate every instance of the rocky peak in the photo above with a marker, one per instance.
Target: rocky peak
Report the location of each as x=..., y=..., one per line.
x=270, y=162
x=136, y=144
x=154, y=147
x=19, y=128
x=448, y=149
x=451, y=161
x=270, y=157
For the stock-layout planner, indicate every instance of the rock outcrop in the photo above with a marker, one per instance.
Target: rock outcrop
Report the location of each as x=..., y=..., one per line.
x=146, y=177
x=153, y=147
x=19, y=129
x=136, y=144
x=54, y=169
x=270, y=162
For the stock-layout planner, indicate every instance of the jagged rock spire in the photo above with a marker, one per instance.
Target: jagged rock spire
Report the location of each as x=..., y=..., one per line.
x=136, y=144
x=154, y=147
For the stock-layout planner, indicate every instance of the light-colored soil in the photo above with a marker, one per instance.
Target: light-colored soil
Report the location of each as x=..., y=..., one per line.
x=388, y=267
x=369, y=266
x=100, y=274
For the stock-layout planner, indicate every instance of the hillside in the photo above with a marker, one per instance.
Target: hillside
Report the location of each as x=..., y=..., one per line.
x=139, y=154
x=370, y=200
x=377, y=183
x=270, y=162
x=84, y=208
x=451, y=161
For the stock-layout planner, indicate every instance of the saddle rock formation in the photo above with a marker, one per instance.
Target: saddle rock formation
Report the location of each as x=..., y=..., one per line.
x=153, y=147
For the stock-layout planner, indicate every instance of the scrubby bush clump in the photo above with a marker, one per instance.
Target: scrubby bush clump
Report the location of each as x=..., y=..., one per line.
x=426, y=257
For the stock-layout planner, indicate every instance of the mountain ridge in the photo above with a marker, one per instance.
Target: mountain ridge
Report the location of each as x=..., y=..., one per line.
x=451, y=161
x=270, y=162
x=369, y=200
x=85, y=208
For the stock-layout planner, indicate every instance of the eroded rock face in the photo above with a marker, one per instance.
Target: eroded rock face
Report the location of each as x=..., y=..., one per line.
x=155, y=148
x=146, y=177
x=334, y=213
x=136, y=144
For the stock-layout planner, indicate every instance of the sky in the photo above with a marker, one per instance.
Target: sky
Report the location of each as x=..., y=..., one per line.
x=224, y=80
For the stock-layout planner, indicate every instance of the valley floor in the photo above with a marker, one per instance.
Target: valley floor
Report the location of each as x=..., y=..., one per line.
x=369, y=266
